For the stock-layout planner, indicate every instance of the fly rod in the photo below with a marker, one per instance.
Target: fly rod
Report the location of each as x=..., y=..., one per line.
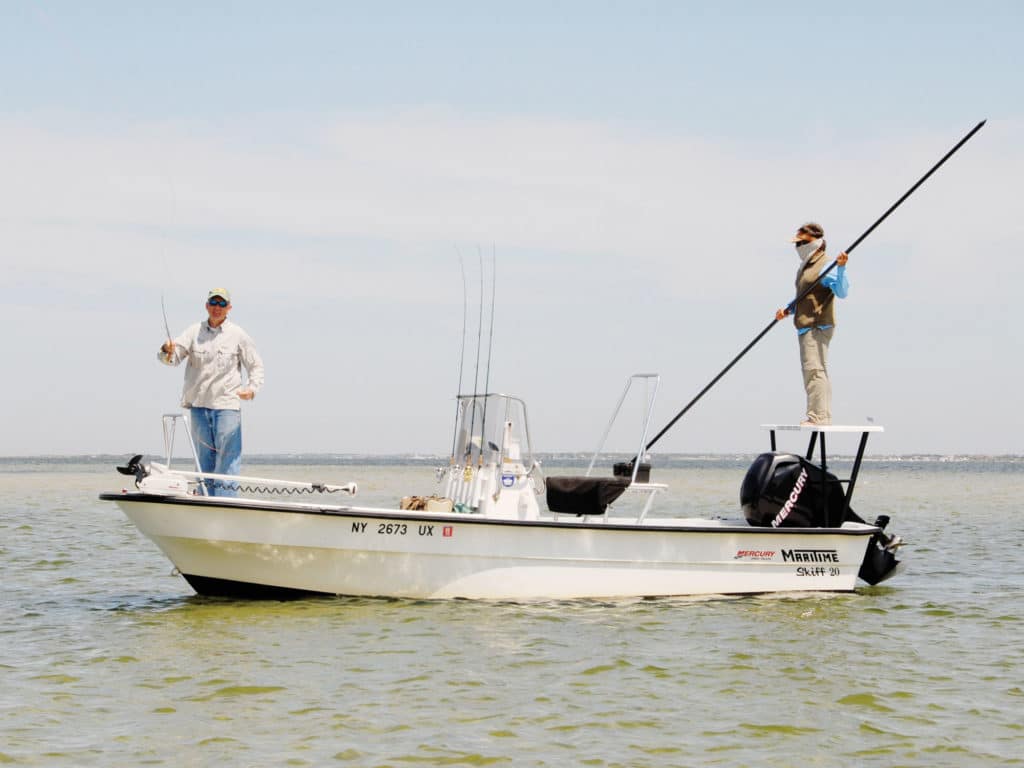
x=167, y=328
x=163, y=260
x=793, y=303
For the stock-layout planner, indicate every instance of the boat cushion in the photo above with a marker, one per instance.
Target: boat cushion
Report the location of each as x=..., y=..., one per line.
x=583, y=495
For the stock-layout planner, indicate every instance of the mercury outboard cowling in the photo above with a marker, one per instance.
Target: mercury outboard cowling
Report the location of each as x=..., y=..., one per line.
x=786, y=490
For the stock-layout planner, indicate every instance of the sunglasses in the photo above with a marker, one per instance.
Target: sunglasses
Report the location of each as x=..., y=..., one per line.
x=217, y=303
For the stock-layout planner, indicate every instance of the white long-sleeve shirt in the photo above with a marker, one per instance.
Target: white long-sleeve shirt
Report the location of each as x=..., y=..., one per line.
x=216, y=358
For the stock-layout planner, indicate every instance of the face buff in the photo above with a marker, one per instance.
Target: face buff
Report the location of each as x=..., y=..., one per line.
x=804, y=250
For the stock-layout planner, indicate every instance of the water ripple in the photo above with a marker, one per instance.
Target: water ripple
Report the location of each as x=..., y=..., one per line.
x=109, y=659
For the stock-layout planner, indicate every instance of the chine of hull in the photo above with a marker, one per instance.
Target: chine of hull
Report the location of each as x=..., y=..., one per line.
x=242, y=590
x=245, y=551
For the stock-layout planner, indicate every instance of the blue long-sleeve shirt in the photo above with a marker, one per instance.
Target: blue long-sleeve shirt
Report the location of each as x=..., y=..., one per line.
x=836, y=282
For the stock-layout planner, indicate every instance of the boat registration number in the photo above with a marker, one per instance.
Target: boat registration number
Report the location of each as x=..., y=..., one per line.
x=402, y=529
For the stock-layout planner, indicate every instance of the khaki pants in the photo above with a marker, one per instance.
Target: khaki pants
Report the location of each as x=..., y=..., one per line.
x=814, y=364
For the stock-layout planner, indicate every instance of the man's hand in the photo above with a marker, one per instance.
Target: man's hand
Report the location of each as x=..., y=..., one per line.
x=842, y=258
x=246, y=394
x=168, y=350
x=781, y=313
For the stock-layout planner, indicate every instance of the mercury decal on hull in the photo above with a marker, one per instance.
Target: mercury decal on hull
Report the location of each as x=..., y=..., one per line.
x=754, y=554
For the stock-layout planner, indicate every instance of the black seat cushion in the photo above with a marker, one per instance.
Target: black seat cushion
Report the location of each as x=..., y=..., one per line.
x=584, y=495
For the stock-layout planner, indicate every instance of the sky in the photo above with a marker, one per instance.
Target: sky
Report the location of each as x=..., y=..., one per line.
x=624, y=177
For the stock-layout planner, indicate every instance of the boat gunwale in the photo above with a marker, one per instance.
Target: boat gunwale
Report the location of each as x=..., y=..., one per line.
x=470, y=519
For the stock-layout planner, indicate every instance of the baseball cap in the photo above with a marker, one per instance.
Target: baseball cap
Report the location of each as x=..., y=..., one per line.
x=810, y=228
x=224, y=293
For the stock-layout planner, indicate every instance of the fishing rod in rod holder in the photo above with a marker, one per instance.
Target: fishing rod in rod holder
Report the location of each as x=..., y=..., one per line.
x=809, y=288
x=462, y=355
x=461, y=456
x=490, y=340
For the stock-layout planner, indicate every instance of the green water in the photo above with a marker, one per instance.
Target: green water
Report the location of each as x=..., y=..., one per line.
x=107, y=658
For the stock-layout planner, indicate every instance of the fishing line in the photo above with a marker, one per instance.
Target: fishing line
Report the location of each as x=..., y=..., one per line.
x=163, y=259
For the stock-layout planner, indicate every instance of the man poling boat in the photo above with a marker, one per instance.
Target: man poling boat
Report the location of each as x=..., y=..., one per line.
x=812, y=285
x=815, y=318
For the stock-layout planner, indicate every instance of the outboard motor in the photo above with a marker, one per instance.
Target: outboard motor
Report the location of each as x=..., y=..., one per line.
x=786, y=490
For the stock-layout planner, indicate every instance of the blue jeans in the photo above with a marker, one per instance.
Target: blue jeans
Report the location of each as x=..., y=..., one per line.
x=217, y=433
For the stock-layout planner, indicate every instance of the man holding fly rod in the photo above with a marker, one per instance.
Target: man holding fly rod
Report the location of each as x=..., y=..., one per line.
x=217, y=350
x=815, y=318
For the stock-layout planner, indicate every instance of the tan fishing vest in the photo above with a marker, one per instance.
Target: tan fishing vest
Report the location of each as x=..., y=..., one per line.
x=818, y=306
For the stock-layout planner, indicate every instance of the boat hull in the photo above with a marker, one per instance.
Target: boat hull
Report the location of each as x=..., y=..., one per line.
x=253, y=549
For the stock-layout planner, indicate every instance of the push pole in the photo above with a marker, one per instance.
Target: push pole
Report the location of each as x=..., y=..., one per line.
x=793, y=303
